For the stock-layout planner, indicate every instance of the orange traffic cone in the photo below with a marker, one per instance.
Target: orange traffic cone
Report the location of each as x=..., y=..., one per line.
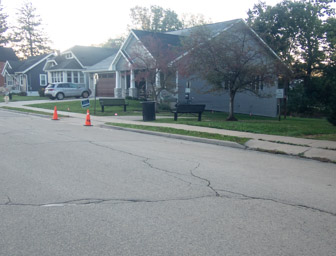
x=88, y=120
x=55, y=116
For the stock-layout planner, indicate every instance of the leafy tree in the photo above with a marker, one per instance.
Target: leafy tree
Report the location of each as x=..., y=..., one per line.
x=154, y=19
x=193, y=20
x=29, y=37
x=232, y=61
x=3, y=27
x=295, y=31
x=114, y=43
x=152, y=65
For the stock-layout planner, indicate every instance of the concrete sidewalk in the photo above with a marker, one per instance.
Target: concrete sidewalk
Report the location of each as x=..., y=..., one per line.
x=321, y=150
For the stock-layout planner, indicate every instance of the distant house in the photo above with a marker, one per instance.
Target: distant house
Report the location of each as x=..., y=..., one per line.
x=27, y=75
x=106, y=76
x=245, y=102
x=6, y=54
x=70, y=65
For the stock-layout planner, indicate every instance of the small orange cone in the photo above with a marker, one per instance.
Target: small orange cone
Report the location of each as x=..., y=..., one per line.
x=55, y=116
x=88, y=120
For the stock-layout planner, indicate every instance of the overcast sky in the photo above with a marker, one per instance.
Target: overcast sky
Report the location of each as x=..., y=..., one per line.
x=87, y=22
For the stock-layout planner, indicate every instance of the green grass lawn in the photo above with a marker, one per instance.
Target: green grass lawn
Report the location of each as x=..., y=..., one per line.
x=134, y=107
x=292, y=126
x=239, y=140
x=23, y=98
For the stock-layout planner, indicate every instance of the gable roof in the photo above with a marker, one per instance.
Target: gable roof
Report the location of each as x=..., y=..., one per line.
x=7, y=54
x=214, y=28
x=65, y=64
x=16, y=66
x=104, y=65
x=89, y=55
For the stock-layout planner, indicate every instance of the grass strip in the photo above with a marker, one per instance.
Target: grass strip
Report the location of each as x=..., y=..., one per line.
x=31, y=111
x=206, y=135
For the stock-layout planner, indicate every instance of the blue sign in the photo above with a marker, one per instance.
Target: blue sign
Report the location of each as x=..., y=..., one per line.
x=85, y=103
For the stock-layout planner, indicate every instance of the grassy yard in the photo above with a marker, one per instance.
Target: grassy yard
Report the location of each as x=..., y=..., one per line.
x=134, y=107
x=239, y=140
x=24, y=98
x=292, y=126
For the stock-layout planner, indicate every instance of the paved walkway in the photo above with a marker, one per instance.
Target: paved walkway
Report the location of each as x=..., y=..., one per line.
x=316, y=149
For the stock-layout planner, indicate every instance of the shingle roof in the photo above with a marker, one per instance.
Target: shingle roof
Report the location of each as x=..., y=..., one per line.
x=30, y=62
x=102, y=65
x=21, y=66
x=172, y=42
x=65, y=64
x=214, y=28
x=89, y=55
x=7, y=54
x=166, y=39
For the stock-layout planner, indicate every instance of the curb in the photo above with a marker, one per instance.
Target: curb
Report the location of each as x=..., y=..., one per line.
x=180, y=137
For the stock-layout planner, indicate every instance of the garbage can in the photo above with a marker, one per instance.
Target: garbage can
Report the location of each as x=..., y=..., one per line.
x=148, y=110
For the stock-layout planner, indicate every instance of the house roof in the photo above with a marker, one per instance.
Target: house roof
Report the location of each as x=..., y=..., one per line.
x=166, y=39
x=103, y=65
x=89, y=55
x=65, y=64
x=214, y=28
x=25, y=65
x=7, y=54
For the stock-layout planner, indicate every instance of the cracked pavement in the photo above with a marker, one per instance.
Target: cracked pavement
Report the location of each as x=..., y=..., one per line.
x=66, y=189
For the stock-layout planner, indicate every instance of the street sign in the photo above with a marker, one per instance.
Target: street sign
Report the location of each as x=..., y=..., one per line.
x=85, y=103
x=280, y=94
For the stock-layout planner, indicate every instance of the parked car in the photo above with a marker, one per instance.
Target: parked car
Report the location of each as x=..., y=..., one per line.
x=61, y=90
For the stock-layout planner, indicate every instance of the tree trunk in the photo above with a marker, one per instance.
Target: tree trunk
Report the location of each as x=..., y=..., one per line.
x=231, y=109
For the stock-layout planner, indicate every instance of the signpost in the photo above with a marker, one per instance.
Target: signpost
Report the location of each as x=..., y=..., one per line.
x=280, y=94
x=85, y=103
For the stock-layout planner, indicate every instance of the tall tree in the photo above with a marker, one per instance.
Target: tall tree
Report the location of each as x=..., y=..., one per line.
x=3, y=27
x=154, y=19
x=29, y=36
x=295, y=31
x=232, y=61
x=114, y=43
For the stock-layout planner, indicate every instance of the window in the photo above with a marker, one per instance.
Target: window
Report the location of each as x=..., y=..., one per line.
x=21, y=80
x=56, y=77
x=9, y=80
x=69, y=76
x=75, y=77
x=81, y=77
x=68, y=56
x=43, y=80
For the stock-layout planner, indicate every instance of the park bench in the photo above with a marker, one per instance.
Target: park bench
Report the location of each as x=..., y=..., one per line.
x=112, y=102
x=190, y=109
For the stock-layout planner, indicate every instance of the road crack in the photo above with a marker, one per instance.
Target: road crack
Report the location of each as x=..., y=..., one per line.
x=247, y=197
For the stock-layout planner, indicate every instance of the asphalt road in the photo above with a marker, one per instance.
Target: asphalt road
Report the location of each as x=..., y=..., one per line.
x=66, y=189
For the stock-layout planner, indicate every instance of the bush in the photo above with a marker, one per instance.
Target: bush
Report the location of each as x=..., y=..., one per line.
x=22, y=94
x=41, y=92
x=332, y=117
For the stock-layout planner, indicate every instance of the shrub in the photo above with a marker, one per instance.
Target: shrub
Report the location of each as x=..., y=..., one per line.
x=41, y=92
x=332, y=117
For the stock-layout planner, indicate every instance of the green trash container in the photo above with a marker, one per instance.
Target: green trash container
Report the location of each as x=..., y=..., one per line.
x=148, y=110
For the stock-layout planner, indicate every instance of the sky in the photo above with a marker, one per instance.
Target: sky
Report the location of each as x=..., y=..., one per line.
x=93, y=22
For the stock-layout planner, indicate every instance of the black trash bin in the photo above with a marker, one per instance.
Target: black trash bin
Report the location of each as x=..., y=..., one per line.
x=148, y=110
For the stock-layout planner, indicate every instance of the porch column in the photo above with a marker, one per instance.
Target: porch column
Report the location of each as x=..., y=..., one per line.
x=157, y=79
x=133, y=91
x=124, y=84
x=117, y=89
x=177, y=81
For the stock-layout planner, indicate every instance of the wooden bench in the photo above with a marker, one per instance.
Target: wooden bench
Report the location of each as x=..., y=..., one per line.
x=112, y=102
x=189, y=108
